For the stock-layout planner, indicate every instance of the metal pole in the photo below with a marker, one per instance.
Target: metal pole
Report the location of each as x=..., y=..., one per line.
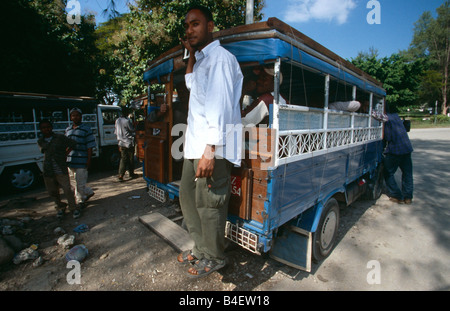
x=249, y=12
x=435, y=112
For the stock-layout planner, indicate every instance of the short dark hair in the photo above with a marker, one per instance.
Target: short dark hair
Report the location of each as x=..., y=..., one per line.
x=391, y=108
x=45, y=121
x=77, y=110
x=205, y=11
x=125, y=111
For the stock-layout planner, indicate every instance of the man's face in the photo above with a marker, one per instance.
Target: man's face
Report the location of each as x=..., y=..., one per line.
x=75, y=117
x=264, y=84
x=46, y=129
x=198, y=30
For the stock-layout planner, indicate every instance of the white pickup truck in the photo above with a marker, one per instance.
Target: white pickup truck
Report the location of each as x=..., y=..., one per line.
x=20, y=158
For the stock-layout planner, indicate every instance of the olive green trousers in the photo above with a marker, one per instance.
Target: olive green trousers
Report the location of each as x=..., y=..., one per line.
x=204, y=203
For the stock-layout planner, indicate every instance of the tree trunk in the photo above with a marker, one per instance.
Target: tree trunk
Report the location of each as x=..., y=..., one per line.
x=444, y=85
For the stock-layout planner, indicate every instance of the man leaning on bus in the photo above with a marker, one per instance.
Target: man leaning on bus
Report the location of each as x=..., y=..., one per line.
x=214, y=79
x=79, y=159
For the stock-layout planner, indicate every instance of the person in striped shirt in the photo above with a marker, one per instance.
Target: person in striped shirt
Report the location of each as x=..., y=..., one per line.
x=79, y=159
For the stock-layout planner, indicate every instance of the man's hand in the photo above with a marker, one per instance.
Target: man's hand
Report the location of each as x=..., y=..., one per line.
x=205, y=166
x=191, y=60
x=68, y=150
x=187, y=46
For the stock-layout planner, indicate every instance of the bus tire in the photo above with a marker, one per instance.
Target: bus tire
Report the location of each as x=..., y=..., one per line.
x=375, y=186
x=325, y=236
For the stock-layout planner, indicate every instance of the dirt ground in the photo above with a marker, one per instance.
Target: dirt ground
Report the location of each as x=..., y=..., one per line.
x=410, y=245
x=123, y=254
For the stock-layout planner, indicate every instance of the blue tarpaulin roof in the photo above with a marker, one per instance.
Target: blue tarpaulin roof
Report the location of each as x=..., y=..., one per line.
x=261, y=50
x=159, y=71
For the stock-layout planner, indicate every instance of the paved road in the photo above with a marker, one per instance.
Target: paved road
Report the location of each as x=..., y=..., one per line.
x=386, y=246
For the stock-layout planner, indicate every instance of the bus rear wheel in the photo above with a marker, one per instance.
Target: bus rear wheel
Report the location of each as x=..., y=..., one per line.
x=324, y=239
x=375, y=186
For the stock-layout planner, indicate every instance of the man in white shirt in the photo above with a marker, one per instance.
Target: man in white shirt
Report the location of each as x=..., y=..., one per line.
x=213, y=142
x=125, y=132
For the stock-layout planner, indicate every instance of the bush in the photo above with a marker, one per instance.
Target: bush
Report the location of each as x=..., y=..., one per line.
x=440, y=118
x=428, y=121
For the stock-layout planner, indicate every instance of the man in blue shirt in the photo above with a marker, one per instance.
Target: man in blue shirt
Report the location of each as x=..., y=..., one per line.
x=397, y=155
x=79, y=159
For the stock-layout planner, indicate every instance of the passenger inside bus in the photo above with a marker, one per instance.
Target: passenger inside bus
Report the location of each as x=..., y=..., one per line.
x=157, y=109
x=248, y=90
x=258, y=111
x=180, y=104
x=180, y=113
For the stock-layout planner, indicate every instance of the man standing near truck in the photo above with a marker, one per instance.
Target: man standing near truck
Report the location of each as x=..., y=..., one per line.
x=54, y=147
x=212, y=143
x=125, y=132
x=397, y=154
x=79, y=159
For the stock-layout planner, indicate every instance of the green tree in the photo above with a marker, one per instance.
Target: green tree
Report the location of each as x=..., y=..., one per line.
x=432, y=39
x=369, y=62
x=151, y=28
x=430, y=86
x=41, y=52
x=400, y=76
x=107, y=43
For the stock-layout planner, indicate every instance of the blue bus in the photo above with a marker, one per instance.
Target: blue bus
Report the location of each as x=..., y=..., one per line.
x=321, y=147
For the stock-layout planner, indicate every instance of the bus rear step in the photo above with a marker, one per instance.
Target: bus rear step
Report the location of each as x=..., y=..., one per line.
x=168, y=230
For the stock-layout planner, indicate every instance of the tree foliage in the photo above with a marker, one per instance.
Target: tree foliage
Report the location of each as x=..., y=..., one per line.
x=432, y=40
x=420, y=74
x=401, y=77
x=41, y=52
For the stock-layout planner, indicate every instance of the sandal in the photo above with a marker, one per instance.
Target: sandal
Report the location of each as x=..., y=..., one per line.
x=186, y=257
x=204, y=267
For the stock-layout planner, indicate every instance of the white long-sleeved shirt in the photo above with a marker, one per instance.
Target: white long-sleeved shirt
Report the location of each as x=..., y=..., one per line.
x=124, y=131
x=214, y=116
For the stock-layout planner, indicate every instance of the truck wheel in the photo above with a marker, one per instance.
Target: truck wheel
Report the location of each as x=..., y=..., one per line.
x=22, y=177
x=114, y=159
x=375, y=186
x=324, y=239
